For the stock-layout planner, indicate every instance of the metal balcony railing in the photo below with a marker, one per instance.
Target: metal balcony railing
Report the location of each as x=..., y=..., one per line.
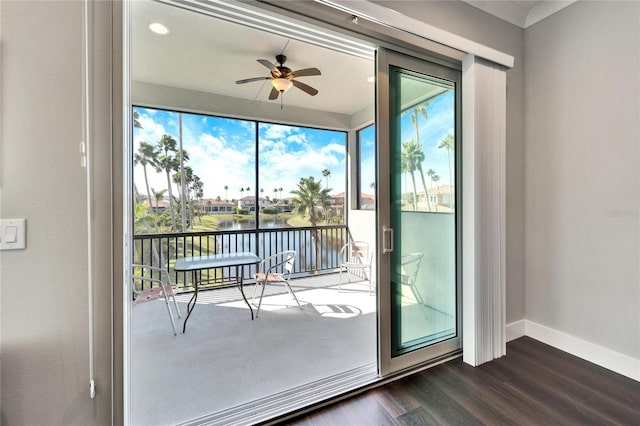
x=317, y=249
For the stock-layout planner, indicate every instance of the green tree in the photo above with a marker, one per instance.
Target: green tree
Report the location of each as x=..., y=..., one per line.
x=147, y=155
x=326, y=173
x=416, y=112
x=226, y=196
x=431, y=173
x=197, y=187
x=136, y=120
x=409, y=158
x=448, y=143
x=168, y=163
x=158, y=196
x=310, y=198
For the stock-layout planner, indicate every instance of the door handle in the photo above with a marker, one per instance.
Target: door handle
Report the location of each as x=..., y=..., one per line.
x=387, y=240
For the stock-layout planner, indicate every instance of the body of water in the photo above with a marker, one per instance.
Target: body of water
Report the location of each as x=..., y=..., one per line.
x=276, y=236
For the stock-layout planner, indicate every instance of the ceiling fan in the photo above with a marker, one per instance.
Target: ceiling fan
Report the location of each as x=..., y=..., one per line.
x=282, y=78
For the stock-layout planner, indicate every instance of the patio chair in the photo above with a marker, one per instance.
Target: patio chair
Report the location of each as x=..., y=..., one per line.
x=160, y=287
x=275, y=269
x=410, y=264
x=355, y=256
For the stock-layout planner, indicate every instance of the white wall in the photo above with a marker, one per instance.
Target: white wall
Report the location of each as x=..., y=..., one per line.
x=44, y=336
x=583, y=174
x=467, y=21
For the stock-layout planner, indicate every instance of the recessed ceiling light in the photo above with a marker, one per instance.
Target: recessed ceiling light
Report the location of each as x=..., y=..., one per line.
x=158, y=28
x=371, y=80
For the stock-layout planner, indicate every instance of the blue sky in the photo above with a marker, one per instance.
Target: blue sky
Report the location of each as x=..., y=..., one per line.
x=441, y=121
x=222, y=153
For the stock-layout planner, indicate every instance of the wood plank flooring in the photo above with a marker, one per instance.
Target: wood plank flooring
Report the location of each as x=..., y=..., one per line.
x=535, y=384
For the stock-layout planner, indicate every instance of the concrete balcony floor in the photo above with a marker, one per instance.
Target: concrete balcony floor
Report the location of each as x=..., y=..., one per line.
x=224, y=359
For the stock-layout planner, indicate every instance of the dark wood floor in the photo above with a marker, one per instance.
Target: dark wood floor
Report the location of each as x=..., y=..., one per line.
x=534, y=384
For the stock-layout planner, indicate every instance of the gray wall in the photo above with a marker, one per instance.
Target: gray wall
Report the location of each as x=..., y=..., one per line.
x=583, y=173
x=467, y=21
x=581, y=191
x=44, y=331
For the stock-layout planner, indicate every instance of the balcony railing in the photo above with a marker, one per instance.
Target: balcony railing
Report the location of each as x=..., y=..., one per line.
x=317, y=249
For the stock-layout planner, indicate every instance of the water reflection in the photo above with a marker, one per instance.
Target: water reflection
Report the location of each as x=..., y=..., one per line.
x=235, y=225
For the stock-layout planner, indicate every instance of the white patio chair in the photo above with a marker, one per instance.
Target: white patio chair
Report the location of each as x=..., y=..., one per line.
x=275, y=269
x=159, y=287
x=355, y=256
x=410, y=264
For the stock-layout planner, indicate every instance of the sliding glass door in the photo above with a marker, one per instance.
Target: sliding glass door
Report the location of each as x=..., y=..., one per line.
x=418, y=217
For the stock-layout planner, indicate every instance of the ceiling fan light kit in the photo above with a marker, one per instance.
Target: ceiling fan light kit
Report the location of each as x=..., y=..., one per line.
x=281, y=84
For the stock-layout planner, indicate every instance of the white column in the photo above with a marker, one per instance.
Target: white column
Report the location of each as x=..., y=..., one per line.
x=483, y=179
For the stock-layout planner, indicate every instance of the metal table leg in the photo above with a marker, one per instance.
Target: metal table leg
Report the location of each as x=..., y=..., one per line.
x=192, y=301
x=240, y=279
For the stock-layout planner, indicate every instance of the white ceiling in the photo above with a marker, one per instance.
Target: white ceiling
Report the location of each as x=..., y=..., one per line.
x=522, y=13
x=209, y=54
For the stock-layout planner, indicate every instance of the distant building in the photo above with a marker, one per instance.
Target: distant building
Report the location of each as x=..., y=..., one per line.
x=336, y=204
x=211, y=206
x=282, y=206
x=249, y=203
x=441, y=199
x=367, y=201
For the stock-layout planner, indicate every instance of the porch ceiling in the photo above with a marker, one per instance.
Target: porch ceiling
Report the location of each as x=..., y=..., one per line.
x=208, y=54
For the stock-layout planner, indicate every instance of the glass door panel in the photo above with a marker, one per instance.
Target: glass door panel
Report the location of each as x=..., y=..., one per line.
x=420, y=226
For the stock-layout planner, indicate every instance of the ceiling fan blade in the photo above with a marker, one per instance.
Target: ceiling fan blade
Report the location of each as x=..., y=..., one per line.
x=272, y=68
x=249, y=80
x=305, y=88
x=273, y=94
x=306, y=72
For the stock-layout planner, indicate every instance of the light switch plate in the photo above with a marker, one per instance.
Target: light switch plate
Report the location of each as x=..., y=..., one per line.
x=12, y=234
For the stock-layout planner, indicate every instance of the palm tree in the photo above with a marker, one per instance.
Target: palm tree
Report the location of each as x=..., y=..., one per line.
x=435, y=179
x=275, y=191
x=409, y=159
x=226, y=196
x=158, y=196
x=280, y=191
x=448, y=143
x=326, y=173
x=261, y=196
x=310, y=195
x=430, y=173
x=136, y=122
x=186, y=180
x=416, y=112
x=198, y=193
x=147, y=155
x=182, y=183
x=168, y=163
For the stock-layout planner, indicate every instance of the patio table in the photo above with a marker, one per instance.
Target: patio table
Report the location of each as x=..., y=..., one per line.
x=196, y=264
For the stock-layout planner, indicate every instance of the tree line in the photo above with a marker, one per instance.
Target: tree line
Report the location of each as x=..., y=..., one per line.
x=412, y=156
x=167, y=156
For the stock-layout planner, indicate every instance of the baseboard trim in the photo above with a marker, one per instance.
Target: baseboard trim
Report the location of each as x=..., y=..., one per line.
x=599, y=355
x=516, y=330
